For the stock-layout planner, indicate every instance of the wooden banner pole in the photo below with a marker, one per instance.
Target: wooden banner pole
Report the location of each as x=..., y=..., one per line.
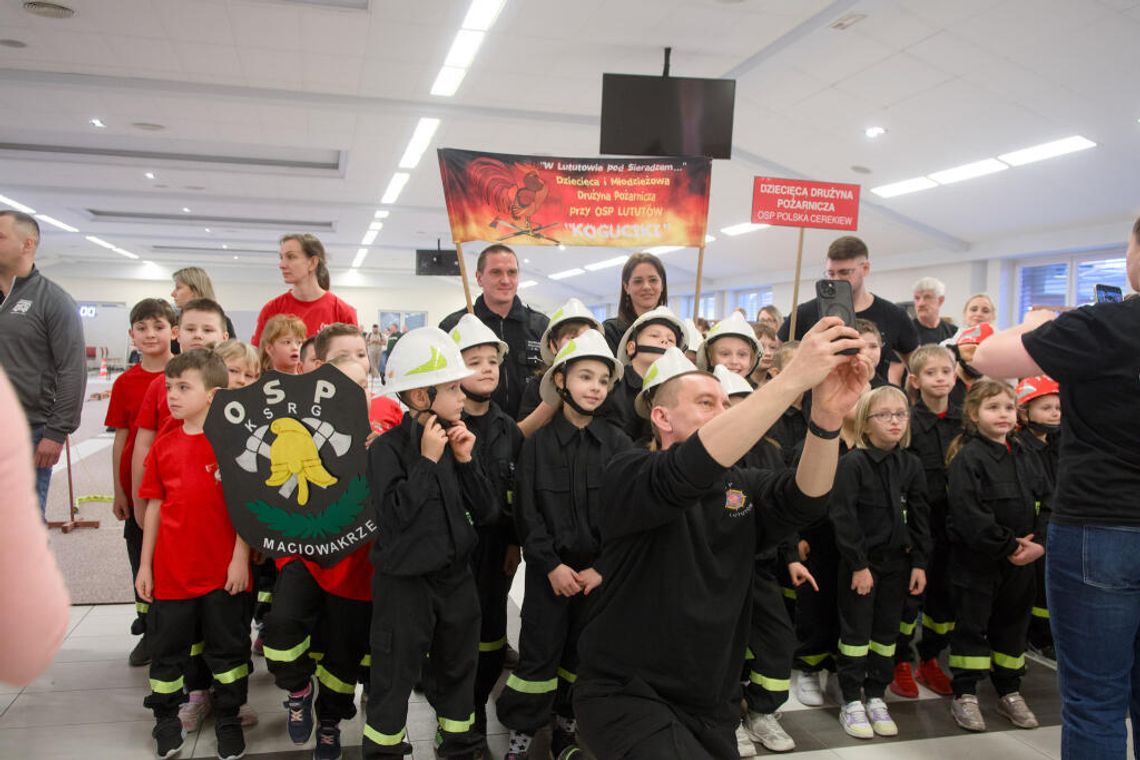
x=697, y=290
x=796, y=287
x=463, y=277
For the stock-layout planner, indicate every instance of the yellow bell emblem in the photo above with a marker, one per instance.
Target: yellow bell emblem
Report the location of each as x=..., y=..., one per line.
x=294, y=454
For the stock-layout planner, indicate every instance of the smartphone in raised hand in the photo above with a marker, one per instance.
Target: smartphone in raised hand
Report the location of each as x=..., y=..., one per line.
x=835, y=300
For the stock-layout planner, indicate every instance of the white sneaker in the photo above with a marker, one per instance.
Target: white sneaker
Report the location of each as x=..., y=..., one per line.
x=766, y=729
x=807, y=690
x=744, y=745
x=853, y=719
x=881, y=721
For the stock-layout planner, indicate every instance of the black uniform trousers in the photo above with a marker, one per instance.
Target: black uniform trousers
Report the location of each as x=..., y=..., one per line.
x=817, y=619
x=171, y=627
x=133, y=535
x=934, y=608
x=493, y=586
x=771, y=646
x=1040, y=635
x=990, y=629
x=630, y=721
x=300, y=609
x=437, y=616
x=264, y=581
x=869, y=625
x=548, y=656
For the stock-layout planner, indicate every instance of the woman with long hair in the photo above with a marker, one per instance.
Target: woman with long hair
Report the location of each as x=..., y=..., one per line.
x=304, y=267
x=643, y=288
x=191, y=283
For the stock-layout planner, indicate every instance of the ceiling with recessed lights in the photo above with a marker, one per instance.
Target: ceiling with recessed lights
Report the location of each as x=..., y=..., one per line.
x=198, y=132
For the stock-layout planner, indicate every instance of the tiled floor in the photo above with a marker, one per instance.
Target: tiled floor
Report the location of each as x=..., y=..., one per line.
x=89, y=705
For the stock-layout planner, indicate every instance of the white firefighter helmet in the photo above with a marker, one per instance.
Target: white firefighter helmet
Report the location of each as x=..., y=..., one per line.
x=662, y=314
x=470, y=332
x=732, y=383
x=571, y=311
x=737, y=326
x=424, y=357
x=671, y=364
x=589, y=345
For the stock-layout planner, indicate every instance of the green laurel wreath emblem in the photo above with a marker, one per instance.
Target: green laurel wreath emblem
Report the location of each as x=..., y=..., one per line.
x=332, y=521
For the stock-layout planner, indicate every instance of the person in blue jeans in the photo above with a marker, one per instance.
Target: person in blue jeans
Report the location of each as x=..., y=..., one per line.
x=1092, y=571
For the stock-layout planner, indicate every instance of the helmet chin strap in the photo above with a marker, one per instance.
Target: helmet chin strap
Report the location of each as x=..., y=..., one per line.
x=476, y=397
x=431, y=392
x=1041, y=427
x=567, y=397
x=639, y=348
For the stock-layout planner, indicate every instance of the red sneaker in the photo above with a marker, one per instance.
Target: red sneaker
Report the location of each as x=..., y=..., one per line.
x=904, y=684
x=931, y=676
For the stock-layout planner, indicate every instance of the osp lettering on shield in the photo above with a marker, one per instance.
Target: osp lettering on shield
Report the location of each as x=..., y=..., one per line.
x=236, y=413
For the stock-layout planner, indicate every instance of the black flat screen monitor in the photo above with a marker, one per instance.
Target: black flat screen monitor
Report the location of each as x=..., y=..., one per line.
x=432, y=262
x=667, y=116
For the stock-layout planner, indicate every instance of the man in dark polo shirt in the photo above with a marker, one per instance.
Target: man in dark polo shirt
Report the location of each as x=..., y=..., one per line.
x=659, y=672
x=1092, y=552
x=929, y=295
x=848, y=259
x=518, y=325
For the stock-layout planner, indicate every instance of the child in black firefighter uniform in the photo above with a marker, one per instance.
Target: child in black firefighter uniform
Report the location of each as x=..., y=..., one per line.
x=996, y=534
x=882, y=531
x=1039, y=412
x=498, y=442
x=429, y=492
x=643, y=343
x=559, y=497
x=935, y=421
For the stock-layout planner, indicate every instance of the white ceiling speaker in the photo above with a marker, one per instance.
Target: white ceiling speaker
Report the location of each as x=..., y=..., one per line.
x=49, y=10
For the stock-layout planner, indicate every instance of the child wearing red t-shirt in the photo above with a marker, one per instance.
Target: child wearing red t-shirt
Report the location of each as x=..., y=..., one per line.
x=332, y=605
x=281, y=342
x=194, y=569
x=151, y=330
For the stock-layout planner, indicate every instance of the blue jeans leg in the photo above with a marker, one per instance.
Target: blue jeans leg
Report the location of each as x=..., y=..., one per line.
x=43, y=474
x=1093, y=580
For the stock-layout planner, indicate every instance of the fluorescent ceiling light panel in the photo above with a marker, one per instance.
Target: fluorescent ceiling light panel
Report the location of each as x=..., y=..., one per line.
x=527, y=284
x=904, y=187
x=124, y=252
x=361, y=254
x=463, y=48
x=616, y=261
x=661, y=250
x=448, y=81
x=421, y=138
x=395, y=187
x=1047, y=150
x=376, y=226
x=56, y=223
x=16, y=205
x=566, y=273
x=369, y=237
x=481, y=14
x=98, y=123
x=743, y=228
x=968, y=171
x=381, y=214
x=709, y=239
x=100, y=242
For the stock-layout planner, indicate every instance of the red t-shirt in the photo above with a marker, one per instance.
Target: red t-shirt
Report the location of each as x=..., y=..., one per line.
x=384, y=414
x=127, y=396
x=195, y=536
x=315, y=314
x=153, y=411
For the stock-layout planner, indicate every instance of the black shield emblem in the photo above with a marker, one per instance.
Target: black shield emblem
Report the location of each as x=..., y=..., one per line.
x=291, y=453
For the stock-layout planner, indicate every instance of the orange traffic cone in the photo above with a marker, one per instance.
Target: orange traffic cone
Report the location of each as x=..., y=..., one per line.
x=103, y=369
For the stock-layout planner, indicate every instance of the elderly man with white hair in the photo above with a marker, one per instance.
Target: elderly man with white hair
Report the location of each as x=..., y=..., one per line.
x=929, y=295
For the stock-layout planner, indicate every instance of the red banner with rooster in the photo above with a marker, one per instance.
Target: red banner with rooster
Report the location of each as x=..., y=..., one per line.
x=608, y=202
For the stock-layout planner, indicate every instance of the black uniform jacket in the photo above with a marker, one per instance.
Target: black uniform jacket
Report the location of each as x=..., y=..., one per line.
x=560, y=491
x=498, y=442
x=997, y=494
x=425, y=510
x=522, y=331
x=930, y=438
x=878, y=507
x=679, y=537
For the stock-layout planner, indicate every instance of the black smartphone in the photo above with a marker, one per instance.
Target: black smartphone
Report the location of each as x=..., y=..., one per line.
x=834, y=299
x=1108, y=294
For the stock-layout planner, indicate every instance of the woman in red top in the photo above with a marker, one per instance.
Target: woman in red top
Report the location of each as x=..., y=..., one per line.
x=304, y=267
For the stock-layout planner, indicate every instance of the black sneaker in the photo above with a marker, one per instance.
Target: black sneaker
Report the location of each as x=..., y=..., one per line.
x=140, y=655
x=301, y=716
x=168, y=737
x=231, y=738
x=328, y=741
x=138, y=626
x=560, y=741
